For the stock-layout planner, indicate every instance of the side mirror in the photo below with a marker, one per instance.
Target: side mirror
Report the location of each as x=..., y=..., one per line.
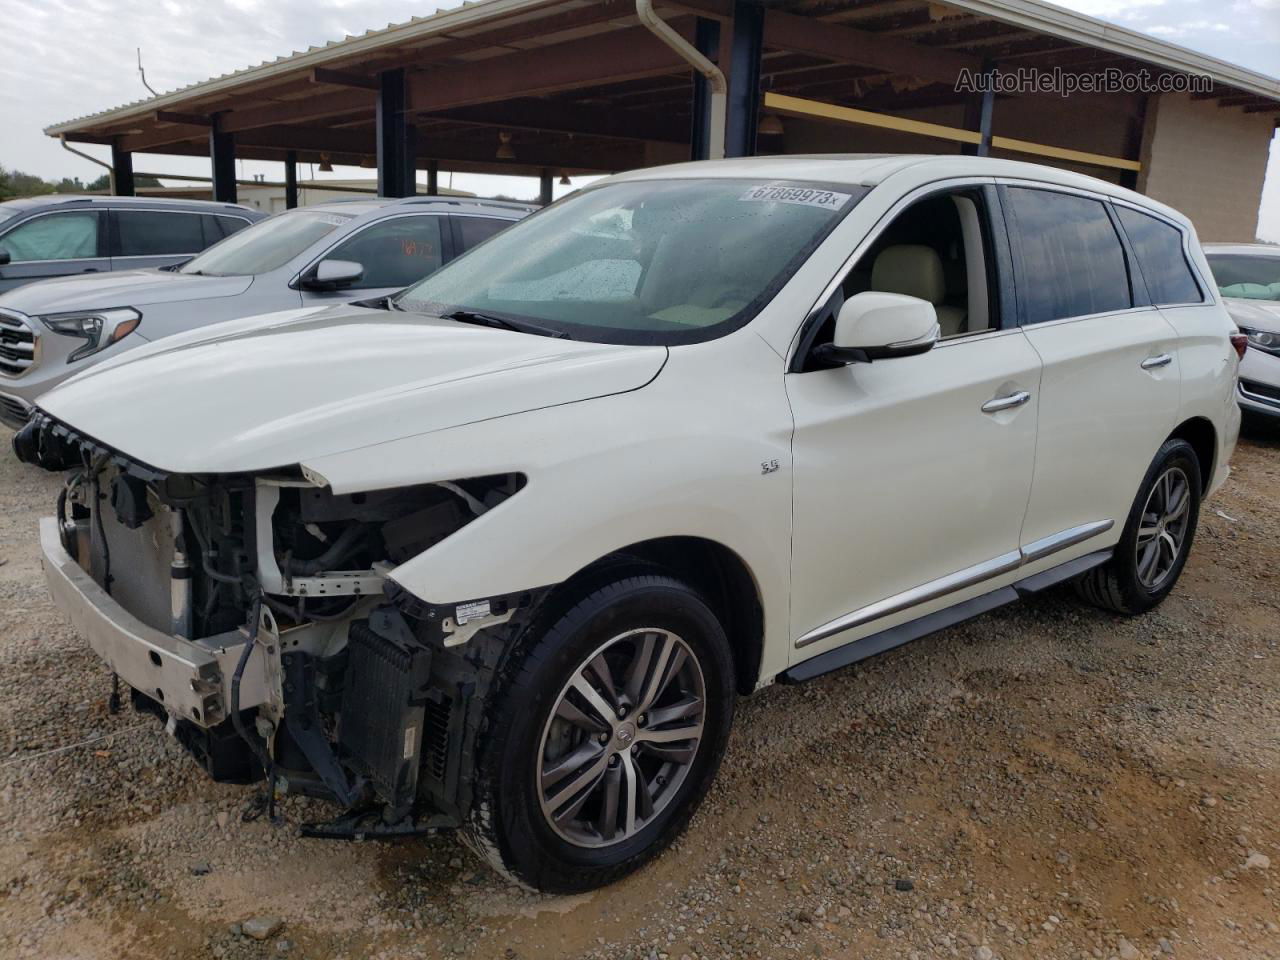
x=333, y=275
x=878, y=326
x=5, y=257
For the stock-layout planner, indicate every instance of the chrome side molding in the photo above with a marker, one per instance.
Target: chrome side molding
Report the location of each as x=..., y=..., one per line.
x=961, y=579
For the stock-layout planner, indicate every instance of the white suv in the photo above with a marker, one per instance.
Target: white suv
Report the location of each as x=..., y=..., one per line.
x=502, y=553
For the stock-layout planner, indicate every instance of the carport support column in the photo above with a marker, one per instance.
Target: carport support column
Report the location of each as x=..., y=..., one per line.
x=977, y=115
x=397, y=167
x=433, y=178
x=544, y=187
x=744, y=79
x=291, y=180
x=121, y=172
x=222, y=156
x=706, y=37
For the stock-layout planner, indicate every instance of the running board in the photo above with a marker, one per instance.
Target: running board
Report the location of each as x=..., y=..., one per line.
x=875, y=643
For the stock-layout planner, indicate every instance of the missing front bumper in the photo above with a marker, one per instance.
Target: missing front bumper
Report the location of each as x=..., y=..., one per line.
x=190, y=678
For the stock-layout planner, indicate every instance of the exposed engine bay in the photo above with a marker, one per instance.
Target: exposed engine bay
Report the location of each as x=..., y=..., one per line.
x=261, y=626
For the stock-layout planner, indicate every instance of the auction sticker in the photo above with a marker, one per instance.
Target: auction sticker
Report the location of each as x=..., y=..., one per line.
x=806, y=196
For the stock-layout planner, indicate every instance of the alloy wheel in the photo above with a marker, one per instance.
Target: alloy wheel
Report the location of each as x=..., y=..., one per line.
x=1162, y=530
x=621, y=737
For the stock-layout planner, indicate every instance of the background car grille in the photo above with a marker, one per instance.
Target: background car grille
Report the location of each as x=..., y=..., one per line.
x=13, y=409
x=1260, y=391
x=17, y=344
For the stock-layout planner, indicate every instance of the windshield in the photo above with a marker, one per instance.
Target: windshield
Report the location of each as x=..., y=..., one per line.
x=265, y=245
x=657, y=261
x=1247, y=277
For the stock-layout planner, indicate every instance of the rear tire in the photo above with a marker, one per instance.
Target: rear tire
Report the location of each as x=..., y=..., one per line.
x=602, y=696
x=1157, y=537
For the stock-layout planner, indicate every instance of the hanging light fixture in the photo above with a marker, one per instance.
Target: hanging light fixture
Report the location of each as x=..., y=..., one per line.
x=564, y=180
x=325, y=165
x=504, y=146
x=771, y=125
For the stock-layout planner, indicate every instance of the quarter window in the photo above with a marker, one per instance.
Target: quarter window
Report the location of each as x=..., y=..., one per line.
x=1073, y=263
x=154, y=234
x=473, y=231
x=395, y=252
x=1158, y=248
x=55, y=236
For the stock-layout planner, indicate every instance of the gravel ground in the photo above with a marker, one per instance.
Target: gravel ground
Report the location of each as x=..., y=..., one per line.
x=1048, y=781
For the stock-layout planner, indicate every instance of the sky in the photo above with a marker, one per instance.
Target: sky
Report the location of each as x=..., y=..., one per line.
x=61, y=59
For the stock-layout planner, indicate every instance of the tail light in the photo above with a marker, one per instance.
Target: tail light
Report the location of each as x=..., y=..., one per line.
x=1241, y=343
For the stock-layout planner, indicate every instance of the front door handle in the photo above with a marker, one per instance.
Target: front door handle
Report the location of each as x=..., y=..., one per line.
x=1006, y=403
x=1160, y=360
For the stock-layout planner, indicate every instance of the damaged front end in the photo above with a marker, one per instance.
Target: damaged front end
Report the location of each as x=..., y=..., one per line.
x=256, y=616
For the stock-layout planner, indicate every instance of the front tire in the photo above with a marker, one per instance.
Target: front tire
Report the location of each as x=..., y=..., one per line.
x=604, y=737
x=1157, y=536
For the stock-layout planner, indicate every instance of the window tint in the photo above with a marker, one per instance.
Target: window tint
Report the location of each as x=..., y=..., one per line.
x=155, y=234
x=476, y=230
x=1158, y=247
x=656, y=261
x=395, y=252
x=56, y=236
x=1072, y=261
x=231, y=224
x=269, y=244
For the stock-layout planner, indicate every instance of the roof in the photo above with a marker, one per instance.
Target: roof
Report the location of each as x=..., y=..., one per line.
x=1244, y=249
x=93, y=199
x=571, y=87
x=1035, y=15
x=873, y=169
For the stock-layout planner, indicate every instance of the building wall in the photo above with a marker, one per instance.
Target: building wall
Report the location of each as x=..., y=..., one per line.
x=1208, y=162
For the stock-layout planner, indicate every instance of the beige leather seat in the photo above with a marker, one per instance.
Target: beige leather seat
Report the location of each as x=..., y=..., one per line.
x=916, y=271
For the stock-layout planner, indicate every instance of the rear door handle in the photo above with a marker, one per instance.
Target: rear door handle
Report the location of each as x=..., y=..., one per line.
x=1160, y=360
x=1006, y=403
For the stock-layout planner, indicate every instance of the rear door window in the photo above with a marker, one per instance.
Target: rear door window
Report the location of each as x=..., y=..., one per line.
x=1158, y=248
x=54, y=236
x=473, y=231
x=1072, y=263
x=154, y=233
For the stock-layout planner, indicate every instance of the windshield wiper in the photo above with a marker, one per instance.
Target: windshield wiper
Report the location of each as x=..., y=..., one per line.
x=502, y=323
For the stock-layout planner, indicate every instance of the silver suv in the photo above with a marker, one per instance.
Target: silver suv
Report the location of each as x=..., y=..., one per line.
x=313, y=257
x=58, y=235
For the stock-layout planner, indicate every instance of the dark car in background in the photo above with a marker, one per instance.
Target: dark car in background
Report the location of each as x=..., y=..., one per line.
x=57, y=235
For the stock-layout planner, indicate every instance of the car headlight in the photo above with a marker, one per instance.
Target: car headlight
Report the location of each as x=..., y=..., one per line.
x=1263, y=340
x=97, y=328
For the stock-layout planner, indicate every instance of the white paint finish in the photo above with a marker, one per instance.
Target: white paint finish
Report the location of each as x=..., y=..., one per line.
x=1102, y=416
x=332, y=381
x=900, y=478
x=681, y=457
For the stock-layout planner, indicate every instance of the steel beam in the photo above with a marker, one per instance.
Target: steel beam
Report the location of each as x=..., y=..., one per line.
x=222, y=156
x=744, y=80
x=291, y=180
x=397, y=173
x=121, y=172
x=706, y=37
x=978, y=112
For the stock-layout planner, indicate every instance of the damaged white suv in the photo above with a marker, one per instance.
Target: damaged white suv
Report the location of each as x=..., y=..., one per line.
x=501, y=552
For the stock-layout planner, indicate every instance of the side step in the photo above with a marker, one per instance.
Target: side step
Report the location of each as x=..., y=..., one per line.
x=875, y=643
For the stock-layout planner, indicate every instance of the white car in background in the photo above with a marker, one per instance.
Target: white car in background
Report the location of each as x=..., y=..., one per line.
x=502, y=551
x=1248, y=276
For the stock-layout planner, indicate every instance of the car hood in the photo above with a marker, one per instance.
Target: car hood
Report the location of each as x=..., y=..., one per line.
x=127, y=288
x=1255, y=314
x=272, y=391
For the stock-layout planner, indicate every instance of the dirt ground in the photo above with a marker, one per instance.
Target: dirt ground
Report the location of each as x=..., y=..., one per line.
x=1047, y=781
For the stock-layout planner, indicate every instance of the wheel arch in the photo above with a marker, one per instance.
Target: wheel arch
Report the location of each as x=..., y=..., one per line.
x=716, y=572
x=1199, y=432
